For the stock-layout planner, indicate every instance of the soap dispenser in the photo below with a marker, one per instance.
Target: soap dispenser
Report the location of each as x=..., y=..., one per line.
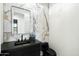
x=32, y=37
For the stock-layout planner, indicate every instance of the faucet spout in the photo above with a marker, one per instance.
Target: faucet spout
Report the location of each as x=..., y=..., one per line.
x=22, y=37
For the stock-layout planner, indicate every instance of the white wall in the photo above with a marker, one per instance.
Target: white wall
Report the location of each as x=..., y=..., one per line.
x=64, y=28
x=1, y=24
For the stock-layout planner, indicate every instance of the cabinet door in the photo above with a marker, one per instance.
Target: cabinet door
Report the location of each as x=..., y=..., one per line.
x=31, y=50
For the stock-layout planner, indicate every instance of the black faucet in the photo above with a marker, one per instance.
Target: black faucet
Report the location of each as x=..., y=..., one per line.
x=22, y=37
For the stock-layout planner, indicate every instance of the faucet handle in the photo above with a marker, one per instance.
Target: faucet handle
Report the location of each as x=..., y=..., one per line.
x=25, y=39
x=18, y=40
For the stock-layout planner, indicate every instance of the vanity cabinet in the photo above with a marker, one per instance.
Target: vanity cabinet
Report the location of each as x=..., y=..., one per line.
x=29, y=49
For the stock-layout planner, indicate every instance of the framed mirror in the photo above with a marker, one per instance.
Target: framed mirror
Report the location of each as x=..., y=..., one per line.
x=21, y=20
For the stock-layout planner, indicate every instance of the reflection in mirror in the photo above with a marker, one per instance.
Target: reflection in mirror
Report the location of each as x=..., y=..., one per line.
x=21, y=20
x=17, y=21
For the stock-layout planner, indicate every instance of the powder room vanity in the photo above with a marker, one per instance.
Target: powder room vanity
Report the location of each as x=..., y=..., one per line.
x=28, y=49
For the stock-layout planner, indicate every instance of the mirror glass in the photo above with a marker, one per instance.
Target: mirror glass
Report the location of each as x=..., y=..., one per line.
x=21, y=20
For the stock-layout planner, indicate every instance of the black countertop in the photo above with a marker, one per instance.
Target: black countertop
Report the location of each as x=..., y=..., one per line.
x=11, y=45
